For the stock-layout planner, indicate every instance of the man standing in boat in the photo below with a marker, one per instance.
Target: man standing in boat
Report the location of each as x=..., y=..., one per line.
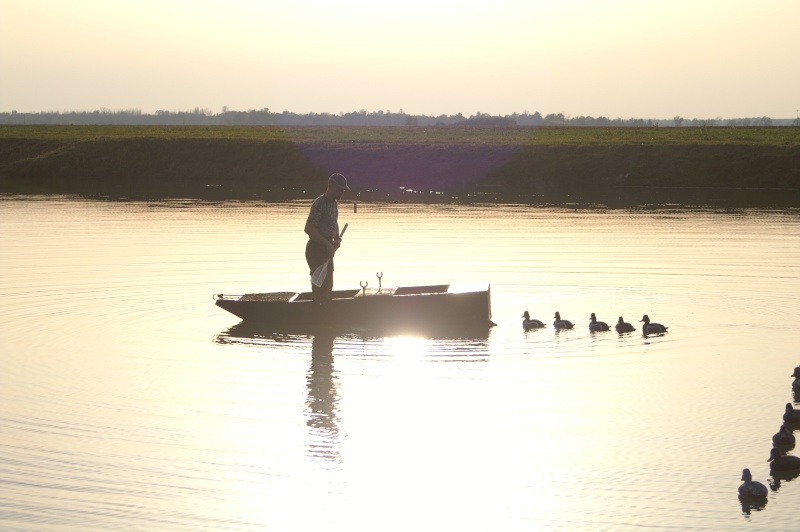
x=322, y=228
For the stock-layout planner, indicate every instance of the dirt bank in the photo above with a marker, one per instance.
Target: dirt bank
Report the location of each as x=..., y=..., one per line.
x=240, y=168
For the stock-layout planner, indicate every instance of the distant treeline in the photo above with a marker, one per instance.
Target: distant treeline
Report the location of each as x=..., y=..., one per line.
x=265, y=117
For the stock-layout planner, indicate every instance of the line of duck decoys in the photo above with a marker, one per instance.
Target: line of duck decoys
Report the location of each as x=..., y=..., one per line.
x=648, y=329
x=781, y=464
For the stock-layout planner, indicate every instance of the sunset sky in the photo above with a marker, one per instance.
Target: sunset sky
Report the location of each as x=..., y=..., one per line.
x=614, y=58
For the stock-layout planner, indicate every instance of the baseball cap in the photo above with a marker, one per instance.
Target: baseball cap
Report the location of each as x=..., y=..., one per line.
x=340, y=180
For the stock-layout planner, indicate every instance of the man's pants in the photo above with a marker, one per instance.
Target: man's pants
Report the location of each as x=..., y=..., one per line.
x=316, y=255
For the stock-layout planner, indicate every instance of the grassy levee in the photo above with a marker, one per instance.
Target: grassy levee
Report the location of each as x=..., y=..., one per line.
x=222, y=162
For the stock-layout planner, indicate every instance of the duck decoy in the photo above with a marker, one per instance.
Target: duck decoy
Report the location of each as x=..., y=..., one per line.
x=796, y=375
x=782, y=462
x=597, y=326
x=652, y=328
x=791, y=415
x=783, y=437
x=562, y=324
x=623, y=326
x=752, y=488
x=529, y=323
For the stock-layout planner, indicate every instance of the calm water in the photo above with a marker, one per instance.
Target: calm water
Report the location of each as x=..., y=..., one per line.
x=128, y=401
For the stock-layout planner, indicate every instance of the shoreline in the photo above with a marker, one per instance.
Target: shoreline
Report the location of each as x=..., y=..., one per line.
x=456, y=169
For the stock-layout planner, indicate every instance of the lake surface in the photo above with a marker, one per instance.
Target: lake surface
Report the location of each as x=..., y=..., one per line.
x=128, y=401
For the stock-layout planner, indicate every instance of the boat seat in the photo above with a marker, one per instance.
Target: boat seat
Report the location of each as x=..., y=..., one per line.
x=272, y=296
x=375, y=292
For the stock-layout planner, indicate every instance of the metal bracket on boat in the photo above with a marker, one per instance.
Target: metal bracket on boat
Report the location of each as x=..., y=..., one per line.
x=379, y=275
x=364, y=285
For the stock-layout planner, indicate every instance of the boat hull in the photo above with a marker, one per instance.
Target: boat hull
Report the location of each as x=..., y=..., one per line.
x=412, y=307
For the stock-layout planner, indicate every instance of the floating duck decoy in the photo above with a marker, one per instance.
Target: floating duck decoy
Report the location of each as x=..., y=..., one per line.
x=752, y=488
x=782, y=462
x=652, y=328
x=796, y=375
x=623, y=326
x=783, y=437
x=791, y=414
x=529, y=323
x=597, y=326
x=562, y=324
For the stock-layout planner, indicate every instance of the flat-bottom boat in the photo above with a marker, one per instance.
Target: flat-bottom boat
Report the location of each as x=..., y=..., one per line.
x=446, y=305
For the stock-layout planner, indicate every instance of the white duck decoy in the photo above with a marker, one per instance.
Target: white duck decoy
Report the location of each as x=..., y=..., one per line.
x=782, y=462
x=529, y=323
x=623, y=326
x=783, y=437
x=597, y=326
x=791, y=414
x=796, y=375
x=752, y=488
x=652, y=328
x=562, y=324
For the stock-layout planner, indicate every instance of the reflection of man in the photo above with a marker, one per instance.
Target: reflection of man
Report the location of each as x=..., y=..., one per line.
x=323, y=398
x=322, y=228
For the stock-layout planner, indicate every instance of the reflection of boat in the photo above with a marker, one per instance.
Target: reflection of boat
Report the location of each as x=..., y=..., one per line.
x=469, y=340
x=445, y=306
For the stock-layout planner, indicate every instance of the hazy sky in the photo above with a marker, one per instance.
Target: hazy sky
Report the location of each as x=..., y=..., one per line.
x=614, y=58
